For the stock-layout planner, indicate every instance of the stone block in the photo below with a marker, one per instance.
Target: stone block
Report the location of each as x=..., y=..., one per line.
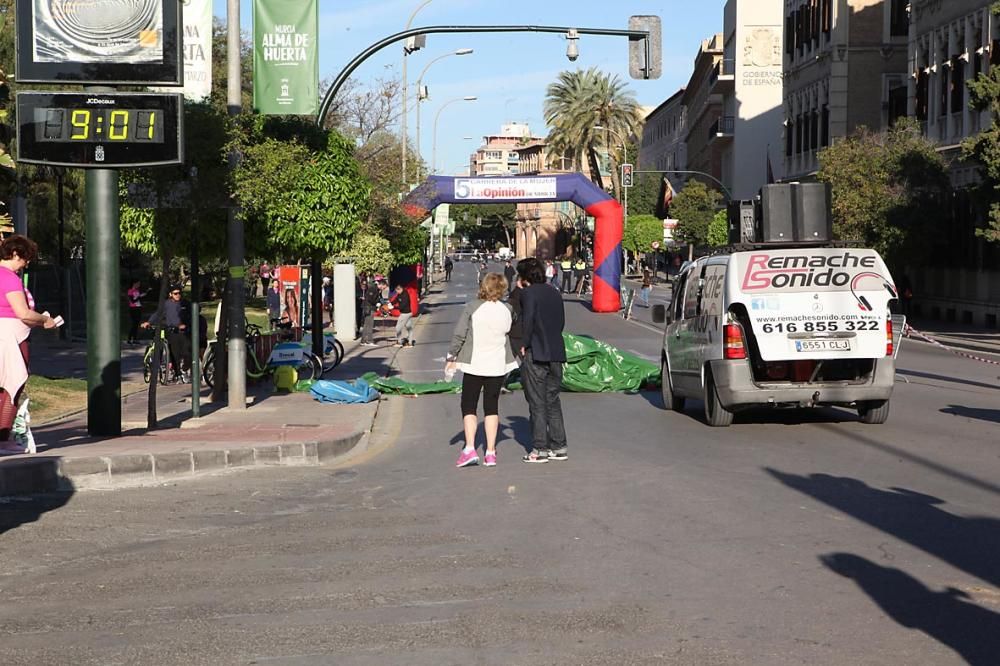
x=173, y=464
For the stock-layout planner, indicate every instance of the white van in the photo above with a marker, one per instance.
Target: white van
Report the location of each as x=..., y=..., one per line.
x=790, y=327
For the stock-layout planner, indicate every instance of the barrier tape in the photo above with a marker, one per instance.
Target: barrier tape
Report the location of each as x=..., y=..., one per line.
x=910, y=331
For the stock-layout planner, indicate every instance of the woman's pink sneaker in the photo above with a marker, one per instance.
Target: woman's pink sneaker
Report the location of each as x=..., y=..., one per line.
x=491, y=460
x=467, y=457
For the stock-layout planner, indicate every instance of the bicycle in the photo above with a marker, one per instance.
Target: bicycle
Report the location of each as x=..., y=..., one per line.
x=168, y=372
x=331, y=346
x=166, y=367
x=310, y=366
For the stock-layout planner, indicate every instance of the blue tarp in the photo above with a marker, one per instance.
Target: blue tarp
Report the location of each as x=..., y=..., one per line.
x=358, y=391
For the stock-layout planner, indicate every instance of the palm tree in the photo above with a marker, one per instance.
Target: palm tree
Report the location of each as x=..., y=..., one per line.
x=580, y=100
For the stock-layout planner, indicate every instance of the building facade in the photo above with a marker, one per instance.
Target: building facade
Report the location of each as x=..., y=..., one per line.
x=662, y=146
x=707, y=130
x=498, y=155
x=749, y=80
x=951, y=42
x=828, y=44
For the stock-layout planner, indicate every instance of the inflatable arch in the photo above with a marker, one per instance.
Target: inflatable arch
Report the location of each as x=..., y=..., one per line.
x=530, y=189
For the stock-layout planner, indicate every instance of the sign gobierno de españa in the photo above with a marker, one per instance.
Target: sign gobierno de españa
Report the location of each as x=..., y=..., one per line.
x=285, y=57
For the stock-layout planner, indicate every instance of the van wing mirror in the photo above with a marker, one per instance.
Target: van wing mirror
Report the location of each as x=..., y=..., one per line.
x=659, y=313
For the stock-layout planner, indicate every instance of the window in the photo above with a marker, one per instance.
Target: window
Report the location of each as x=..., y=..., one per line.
x=789, y=135
x=790, y=34
x=824, y=126
x=957, y=86
x=676, y=306
x=896, y=103
x=899, y=18
x=922, y=96
x=827, y=8
x=814, y=130
x=692, y=294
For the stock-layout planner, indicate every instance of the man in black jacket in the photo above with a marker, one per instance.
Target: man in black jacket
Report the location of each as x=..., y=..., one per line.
x=542, y=320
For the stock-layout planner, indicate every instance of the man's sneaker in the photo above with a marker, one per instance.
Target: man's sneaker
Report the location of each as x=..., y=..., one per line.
x=536, y=457
x=467, y=457
x=491, y=460
x=558, y=454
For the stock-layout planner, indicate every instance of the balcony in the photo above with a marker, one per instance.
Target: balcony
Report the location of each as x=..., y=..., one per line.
x=721, y=129
x=722, y=80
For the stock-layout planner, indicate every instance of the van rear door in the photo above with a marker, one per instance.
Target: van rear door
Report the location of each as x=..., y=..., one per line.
x=815, y=303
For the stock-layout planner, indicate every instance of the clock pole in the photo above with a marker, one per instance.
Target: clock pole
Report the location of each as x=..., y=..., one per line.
x=104, y=380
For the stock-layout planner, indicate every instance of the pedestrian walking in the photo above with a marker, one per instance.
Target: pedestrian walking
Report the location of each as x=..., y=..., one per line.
x=17, y=318
x=134, y=297
x=579, y=268
x=404, y=302
x=550, y=272
x=265, y=275
x=509, y=273
x=566, y=271
x=274, y=304
x=647, y=287
x=481, y=350
x=448, y=266
x=368, y=308
x=543, y=318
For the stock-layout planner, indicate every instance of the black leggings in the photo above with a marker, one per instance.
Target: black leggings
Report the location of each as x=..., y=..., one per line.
x=472, y=385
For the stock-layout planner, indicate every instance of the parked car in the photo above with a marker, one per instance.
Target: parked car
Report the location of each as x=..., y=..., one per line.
x=780, y=327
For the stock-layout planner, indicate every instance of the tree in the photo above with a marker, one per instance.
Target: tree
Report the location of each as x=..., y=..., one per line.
x=718, y=230
x=642, y=198
x=889, y=190
x=484, y=224
x=640, y=232
x=694, y=207
x=984, y=147
x=371, y=253
x=578, y=102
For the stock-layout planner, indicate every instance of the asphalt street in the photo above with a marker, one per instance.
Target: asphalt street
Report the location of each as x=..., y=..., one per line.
x=788, y=538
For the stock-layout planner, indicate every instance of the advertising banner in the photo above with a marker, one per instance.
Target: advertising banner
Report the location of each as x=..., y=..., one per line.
x=505, y=189
x=98, y=31
x=285, y=57
x=811, y=303
x=197, y=45
x=290, y=278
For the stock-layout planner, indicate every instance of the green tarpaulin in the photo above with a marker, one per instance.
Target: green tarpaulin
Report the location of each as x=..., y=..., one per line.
x=591, y=366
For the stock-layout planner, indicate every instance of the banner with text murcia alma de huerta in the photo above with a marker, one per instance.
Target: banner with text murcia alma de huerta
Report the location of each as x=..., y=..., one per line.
x=285, y=57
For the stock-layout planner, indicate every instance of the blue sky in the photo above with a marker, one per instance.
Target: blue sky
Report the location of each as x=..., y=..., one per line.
x=507, y=72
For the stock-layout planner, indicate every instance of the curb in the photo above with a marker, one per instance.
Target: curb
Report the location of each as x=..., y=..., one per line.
x=55, y=474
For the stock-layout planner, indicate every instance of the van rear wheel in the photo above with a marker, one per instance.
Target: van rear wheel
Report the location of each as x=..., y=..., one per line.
x=671, y=401
x=716, y=415
x=874, y=413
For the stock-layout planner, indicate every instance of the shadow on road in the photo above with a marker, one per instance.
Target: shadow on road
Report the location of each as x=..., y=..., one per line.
x=992, y=415
x=945, y=378
x=969, y=544
x=947, y=616
x=17, y=511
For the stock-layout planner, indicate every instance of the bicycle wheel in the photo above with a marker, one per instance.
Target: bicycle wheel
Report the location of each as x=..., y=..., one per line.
x=310, y=368
x=208, y=368
x=147, y=362
x=332, y=359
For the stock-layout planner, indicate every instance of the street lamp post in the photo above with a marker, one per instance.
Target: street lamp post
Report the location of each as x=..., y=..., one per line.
x=420, y=93
x=402, y=133
x=437, y=116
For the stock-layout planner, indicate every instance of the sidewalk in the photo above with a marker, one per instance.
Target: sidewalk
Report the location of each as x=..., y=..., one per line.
x=275, y=429
x=958, y=336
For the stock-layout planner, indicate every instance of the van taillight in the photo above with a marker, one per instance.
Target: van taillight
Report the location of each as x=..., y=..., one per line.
x=732, y=342
x=888, y=336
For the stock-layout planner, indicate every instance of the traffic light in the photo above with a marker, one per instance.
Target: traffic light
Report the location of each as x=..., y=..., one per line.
x=626, y=175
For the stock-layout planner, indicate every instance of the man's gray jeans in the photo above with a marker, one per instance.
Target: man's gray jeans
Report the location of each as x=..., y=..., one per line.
x=405, y=322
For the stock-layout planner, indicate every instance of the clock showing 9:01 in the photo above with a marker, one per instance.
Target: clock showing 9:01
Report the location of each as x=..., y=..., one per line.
x=100, y=130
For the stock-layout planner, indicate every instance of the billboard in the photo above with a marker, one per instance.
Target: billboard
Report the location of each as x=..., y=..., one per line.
x=99, y=41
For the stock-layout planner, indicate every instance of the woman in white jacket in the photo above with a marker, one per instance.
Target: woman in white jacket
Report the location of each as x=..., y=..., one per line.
x=481, y=350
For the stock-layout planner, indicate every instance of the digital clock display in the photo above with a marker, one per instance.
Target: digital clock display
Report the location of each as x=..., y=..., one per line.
x=99, y=125
x=98, y=129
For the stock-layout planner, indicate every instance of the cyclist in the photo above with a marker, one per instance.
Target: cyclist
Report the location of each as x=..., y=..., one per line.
x=176, y=312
